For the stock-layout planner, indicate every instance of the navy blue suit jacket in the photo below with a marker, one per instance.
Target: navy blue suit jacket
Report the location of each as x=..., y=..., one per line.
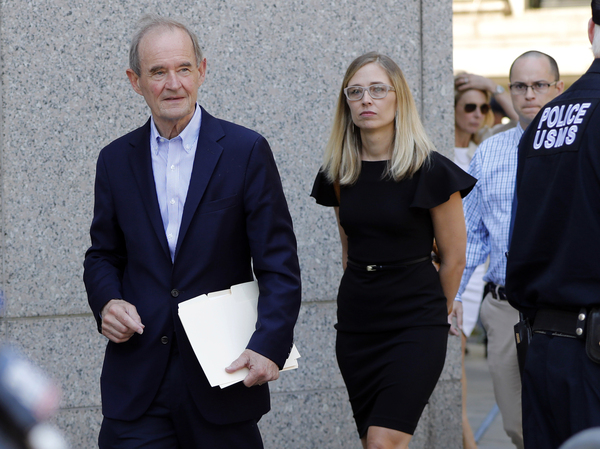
x=235, y=213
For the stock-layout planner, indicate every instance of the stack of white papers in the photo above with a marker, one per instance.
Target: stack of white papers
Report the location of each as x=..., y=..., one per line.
x=219, y=326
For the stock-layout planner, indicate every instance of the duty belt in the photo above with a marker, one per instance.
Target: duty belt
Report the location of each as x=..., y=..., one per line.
x=560, y=323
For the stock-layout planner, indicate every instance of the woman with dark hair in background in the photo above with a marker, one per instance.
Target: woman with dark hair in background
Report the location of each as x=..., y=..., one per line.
x=473, y=122
x=473, y=118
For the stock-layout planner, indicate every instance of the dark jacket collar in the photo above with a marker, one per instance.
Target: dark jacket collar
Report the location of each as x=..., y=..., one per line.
x=208, y=152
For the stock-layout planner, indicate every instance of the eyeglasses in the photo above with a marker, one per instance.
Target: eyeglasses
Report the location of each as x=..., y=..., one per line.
x=470, y=107
x=376, y=91
x=539, y=87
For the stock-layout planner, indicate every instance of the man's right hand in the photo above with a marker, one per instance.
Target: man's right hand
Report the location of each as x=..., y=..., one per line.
x=120, y=321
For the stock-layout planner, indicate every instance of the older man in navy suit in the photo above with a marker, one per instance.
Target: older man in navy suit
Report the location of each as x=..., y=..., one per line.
x=185, y=205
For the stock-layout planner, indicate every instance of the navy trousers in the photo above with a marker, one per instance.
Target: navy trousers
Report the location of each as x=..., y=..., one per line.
x=174, y=422
x=561, y=391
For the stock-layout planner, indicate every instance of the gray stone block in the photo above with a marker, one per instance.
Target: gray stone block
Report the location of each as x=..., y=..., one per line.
x=315, y=339
x=68, y=349
x=440, y=425
x=452, y=367
x=318, y=419
x=438, y=81
x=79, y=426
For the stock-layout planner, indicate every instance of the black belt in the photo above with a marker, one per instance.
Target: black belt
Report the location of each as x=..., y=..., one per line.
x=560, y=323
x=497, y=291
x=394, y=266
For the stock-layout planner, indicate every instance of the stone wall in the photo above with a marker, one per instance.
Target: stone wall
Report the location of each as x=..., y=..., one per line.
x=272, y=66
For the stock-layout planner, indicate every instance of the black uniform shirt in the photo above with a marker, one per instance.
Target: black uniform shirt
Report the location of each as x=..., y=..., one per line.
x=554, y=256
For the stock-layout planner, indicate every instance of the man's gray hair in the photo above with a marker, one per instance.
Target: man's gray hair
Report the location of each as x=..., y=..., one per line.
x=596, y=42
x=151, y=22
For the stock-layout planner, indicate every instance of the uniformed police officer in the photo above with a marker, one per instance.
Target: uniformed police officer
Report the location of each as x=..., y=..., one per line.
x=553, y=276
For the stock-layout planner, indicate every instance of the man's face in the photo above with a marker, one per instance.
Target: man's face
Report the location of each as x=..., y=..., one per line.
x=530, y=70
x=169, y=78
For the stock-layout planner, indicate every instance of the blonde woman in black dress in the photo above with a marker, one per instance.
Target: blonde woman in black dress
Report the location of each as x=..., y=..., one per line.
x=396, y=193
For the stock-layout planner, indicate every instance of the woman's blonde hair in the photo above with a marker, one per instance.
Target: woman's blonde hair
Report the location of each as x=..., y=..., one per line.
x=488, y=120
x=411, y=146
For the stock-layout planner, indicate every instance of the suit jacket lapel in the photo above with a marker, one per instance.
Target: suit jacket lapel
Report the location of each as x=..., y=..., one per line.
x=141, y=165
x=208, y=152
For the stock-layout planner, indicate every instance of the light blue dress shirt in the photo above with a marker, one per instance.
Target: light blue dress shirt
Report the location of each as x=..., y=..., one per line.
x=172, y=163
x=488, y=206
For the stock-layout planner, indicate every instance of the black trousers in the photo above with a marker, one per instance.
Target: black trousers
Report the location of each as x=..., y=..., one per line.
x=174, y=422
x=561, y=391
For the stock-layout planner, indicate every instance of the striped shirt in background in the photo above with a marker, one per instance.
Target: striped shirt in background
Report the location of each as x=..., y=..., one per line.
x=488, y=207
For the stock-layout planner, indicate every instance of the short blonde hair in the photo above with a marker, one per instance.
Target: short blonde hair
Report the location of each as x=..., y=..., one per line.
x=411, y=146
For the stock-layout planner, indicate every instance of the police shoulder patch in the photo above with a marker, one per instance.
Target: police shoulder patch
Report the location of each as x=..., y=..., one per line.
x=560, y=126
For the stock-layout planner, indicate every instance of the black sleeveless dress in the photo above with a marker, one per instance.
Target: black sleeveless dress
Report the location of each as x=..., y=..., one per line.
x=392, y=324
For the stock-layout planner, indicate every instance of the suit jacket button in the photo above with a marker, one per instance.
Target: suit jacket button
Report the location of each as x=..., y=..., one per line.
x=164, y=340
x=174, y=293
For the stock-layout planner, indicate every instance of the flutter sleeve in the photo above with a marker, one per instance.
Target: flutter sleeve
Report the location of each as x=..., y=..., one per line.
x=323, y=191
x=438, y=179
